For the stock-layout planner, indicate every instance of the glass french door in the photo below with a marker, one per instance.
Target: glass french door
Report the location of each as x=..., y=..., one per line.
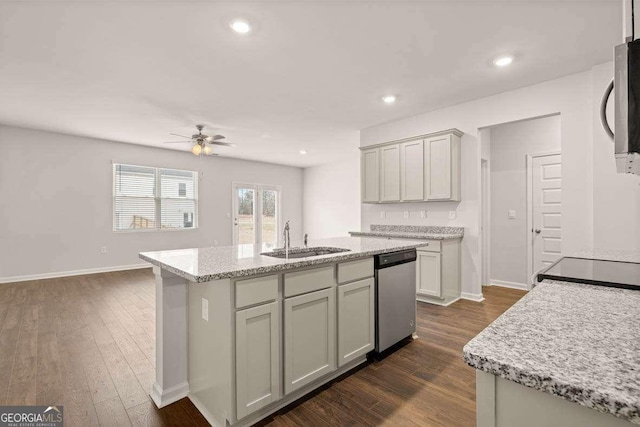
x=256, y=214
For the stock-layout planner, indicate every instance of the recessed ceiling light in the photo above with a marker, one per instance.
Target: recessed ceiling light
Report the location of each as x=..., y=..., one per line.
x=240, y=26
x=503, y=61
x=303, y=151
x=389, y=99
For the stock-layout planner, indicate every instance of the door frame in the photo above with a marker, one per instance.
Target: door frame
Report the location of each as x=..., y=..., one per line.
x=257, y=208
x=530, y=158
x=485, y=221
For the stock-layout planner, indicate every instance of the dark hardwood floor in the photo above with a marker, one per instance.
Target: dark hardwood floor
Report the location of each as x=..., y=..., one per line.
x=87, y=342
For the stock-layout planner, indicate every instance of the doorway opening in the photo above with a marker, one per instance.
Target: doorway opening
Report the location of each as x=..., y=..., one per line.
x=256, y=213
x=521, y=212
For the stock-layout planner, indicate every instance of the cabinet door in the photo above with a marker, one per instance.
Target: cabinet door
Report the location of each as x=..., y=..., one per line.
x=257, y=358
x=309, y=338
x=356, y=322
x=429, y=274
x=411, y=171
x=390, y=173
x=370, y=179
x=437, y=161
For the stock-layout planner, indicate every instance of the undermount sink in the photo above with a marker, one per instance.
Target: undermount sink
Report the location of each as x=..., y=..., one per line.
x=304, y=252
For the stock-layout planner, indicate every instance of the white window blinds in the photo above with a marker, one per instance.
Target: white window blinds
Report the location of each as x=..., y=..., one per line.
x=146, y=198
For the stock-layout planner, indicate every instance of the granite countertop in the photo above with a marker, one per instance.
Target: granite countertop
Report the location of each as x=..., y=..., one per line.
x=609, y=255
x=576, y=341
x=222, y=262
x=412, y=232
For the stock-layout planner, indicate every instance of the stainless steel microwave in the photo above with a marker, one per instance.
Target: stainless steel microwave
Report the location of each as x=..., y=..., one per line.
x=626, y=86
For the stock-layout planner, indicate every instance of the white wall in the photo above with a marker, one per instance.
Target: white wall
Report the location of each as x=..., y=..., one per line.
x=510, y=143
x=574, y=98
x=332, y=196
x=56, y=205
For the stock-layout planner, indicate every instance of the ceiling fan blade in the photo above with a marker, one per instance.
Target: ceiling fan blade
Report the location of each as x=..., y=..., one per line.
x=226, y=144
x=181, y=136
x=215, y=137
x=176, y=142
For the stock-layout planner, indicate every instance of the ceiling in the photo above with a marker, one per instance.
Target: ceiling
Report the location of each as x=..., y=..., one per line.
x=309, y=75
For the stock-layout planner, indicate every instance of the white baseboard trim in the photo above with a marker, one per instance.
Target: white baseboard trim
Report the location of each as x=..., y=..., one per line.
x=472, y=297
x=440, y=303
x=512, y=285
x=73, y=273
x=169, y=395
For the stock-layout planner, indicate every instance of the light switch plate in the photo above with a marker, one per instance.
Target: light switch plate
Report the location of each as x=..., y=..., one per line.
x=382, y=215
x=205, y=309
x=423, y=214
x=512, y=214
x=452, y=214
x=406, y=214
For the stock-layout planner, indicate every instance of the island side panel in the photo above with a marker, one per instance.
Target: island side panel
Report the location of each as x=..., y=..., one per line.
x=504, y=403
x=211, y=350
x=171, y=338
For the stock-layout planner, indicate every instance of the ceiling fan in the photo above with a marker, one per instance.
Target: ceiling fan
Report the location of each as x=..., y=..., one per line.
x=201, y=142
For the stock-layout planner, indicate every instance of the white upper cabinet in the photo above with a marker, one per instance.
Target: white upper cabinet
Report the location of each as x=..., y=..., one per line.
x=412, y=171
x=421, y=168
x=370, y=176
x=442, y=168
x=390, y=173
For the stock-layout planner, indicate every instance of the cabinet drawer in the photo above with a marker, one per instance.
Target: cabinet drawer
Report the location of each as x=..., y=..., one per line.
x=355, y=270
x=256, y=291
x=431, y=246
x=302, y=282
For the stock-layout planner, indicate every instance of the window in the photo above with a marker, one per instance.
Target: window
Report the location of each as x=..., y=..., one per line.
x=146, y=198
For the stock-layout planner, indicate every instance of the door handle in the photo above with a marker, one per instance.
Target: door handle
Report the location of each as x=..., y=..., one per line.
x=537, y=230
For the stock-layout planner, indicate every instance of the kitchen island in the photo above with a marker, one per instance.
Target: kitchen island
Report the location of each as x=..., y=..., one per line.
x=243, y=334
x=566, y=354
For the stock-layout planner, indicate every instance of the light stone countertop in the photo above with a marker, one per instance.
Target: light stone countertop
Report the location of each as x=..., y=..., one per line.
x=405, y=235
x=412, y=232
x=222, y=262
x=609, y=255
x=576, y=341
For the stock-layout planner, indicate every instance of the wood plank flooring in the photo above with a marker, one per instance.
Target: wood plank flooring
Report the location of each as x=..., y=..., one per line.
x=87, y=342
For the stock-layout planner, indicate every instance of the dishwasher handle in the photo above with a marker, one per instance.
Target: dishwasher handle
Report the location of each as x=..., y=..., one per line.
x=394, y=258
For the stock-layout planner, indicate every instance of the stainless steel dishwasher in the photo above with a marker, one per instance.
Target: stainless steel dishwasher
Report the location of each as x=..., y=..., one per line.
x=395, y=275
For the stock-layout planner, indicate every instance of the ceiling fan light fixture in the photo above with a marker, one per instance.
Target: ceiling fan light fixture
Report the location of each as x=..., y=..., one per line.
x=207, y=150
x=196, y=150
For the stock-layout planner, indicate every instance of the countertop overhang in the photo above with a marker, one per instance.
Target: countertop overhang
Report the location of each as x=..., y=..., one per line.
x=224, y=262
x=407, y=235
x=576, y=341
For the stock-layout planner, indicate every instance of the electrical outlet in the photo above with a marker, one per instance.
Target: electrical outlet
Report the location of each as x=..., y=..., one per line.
x=383, y=215
x=406, y=214
x=423, y=214
x=512, y=214
x=215, y=243
x=205, y=309
x=103, y=250
x=452, y=214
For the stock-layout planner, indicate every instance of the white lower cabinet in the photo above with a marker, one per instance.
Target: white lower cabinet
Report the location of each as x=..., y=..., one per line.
x=356, y=321
x=257, y=358
x=438, y=272
x=429, y=273
x=309, y=338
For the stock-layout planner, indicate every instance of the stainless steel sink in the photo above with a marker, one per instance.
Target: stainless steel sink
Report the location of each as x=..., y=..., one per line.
x=304, y=252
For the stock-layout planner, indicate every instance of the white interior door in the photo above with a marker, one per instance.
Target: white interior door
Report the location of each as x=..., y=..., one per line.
x=546, y=210
x=256, y=214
